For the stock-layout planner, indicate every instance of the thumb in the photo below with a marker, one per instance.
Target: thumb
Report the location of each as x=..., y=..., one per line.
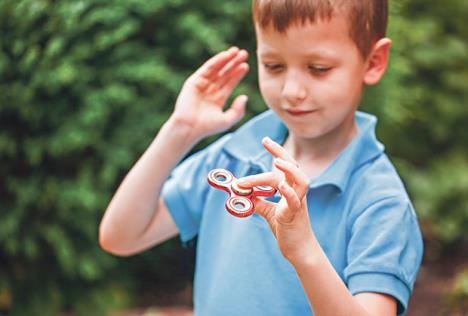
x=236, y=111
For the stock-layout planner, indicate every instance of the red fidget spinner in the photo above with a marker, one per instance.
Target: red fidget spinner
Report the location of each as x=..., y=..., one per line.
x=239, y=202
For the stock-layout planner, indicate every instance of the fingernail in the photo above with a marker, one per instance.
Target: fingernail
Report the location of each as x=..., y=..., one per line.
x=267, y=140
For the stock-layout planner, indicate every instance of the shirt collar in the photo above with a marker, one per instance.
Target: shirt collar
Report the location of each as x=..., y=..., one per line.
x=246, y=145
x=362, y=149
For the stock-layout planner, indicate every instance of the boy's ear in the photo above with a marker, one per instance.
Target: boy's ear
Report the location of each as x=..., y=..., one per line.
x=377, y=61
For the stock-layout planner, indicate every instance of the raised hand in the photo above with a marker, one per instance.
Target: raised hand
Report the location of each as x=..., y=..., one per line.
x=201, y=102
x=289, y=218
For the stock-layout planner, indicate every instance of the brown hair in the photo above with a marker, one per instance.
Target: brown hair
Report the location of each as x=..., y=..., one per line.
x=367, y=19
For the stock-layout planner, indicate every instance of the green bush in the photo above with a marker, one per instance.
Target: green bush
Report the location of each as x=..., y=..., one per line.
x=422, y=106
x=85, y=85
x=456, y=298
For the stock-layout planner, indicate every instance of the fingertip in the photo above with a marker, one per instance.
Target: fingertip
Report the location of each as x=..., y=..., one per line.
x=240, y=103
x=245, y=67
x=237, y=109
x=241, y=181
x=244, y=53
x=221, y=55
x=233, y=49
x=243, y=98
x=266, y=140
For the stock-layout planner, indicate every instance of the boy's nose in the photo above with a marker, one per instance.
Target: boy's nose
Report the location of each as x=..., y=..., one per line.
x=294, y=89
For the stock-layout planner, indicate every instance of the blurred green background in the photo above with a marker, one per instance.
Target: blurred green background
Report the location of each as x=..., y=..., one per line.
x=85, y=86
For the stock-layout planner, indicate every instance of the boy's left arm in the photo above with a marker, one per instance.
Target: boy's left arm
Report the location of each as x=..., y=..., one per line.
x=289, y=222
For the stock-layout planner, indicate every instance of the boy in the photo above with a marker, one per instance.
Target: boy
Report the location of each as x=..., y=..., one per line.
x=341, y=236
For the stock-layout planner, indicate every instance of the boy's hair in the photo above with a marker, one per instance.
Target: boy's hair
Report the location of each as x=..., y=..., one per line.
x=367, y=19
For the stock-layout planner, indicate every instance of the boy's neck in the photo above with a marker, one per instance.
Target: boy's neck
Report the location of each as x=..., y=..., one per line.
x=315, y=155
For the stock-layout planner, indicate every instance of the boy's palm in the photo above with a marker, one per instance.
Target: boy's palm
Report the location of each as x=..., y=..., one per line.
x=201, y=101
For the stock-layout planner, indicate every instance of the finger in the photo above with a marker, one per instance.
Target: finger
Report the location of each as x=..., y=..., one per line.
x=213, y=65
x=223, y=85
x=264, y=208
x=236, y=111
x=271, y=179
x=234, y=78
x=294, y=176
x=277, y=150
x=239, y=58
x=290, y=195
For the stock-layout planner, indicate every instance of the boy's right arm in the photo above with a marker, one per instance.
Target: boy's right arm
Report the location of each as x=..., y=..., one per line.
x=137, y=217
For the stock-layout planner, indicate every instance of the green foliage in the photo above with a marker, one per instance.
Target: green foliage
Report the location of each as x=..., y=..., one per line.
x=421, y=104
x=85, y=85
x=456, y=299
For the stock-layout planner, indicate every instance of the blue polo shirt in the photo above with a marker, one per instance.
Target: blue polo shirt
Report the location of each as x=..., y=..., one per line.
x=359, y=210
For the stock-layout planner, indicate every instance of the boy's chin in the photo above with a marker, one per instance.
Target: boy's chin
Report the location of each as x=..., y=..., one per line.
x=306, y=133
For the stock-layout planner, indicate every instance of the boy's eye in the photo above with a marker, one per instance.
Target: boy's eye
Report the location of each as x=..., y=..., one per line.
x=316, y=69
x=273, y=67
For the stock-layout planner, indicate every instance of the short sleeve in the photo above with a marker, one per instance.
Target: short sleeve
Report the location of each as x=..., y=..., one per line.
x=385, y=250
x=185, y=190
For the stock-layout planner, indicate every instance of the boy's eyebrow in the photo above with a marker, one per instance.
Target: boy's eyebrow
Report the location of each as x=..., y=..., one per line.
x=314, y=54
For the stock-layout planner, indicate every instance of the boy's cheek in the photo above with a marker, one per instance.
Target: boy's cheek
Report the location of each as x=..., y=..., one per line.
x=270, y=90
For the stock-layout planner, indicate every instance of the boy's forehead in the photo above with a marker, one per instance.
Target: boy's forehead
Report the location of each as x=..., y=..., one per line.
x=310, y=39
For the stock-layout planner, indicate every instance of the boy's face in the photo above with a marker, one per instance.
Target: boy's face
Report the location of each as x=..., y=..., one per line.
x=311, y=76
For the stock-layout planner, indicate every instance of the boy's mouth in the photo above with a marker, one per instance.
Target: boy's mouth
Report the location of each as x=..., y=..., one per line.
x=296, y=112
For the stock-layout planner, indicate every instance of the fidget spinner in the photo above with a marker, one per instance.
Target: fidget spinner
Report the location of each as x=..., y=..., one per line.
x=239, y=202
